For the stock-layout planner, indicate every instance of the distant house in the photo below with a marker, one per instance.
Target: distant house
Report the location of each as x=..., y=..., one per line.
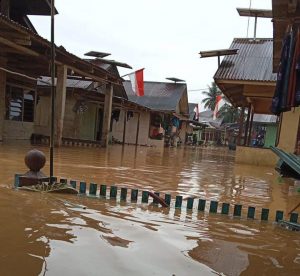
x=166, y=114
x=84, y=107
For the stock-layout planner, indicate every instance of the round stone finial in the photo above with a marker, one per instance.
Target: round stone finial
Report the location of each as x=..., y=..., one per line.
x=35, y=160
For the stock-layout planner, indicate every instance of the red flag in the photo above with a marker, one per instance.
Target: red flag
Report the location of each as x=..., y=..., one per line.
x=219, y=103
x=137, y=82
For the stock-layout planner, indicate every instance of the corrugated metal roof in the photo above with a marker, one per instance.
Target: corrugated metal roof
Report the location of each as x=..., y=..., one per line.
x=16, y=26
x=71, y=83
x=263, y=118
x=253, y=62
x=160, y=96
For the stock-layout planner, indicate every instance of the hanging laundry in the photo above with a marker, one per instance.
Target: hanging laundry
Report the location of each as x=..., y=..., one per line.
x=287, y=91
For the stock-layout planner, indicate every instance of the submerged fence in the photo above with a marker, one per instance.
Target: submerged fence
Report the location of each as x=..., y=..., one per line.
x=190, y=204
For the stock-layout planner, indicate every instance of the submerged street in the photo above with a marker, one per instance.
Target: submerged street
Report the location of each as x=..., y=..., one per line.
x=53, y=234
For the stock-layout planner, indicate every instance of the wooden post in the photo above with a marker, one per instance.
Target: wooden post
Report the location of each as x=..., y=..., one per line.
x=60, y=103
x=137, y=130
x=2, y=101
x=247, y=126
x=250, y=128
x=124, y=128
x=107, y=114
x=5, y=8
x=241, y=123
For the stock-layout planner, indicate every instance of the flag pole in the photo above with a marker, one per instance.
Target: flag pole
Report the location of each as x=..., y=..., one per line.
x=52, y=92
x=132, y=73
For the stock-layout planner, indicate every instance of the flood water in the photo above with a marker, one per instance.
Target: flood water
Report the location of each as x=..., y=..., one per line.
x=51, y=234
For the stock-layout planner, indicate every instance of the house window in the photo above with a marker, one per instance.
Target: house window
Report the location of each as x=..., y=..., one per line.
x=19, y=104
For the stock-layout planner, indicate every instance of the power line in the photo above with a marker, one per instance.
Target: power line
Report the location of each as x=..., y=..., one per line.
x=199, y=89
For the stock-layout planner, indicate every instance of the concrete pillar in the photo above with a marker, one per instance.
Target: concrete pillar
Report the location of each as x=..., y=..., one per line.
x=60, y=103
x=107, y=114
x=2, y=101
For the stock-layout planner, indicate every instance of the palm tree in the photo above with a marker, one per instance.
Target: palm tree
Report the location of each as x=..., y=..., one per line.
x=212, y=93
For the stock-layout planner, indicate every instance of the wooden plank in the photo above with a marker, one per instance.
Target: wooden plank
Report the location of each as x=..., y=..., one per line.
x=20, y=48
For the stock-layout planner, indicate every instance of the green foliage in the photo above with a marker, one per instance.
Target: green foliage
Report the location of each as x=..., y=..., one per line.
x=211, y=96
x=229, y=113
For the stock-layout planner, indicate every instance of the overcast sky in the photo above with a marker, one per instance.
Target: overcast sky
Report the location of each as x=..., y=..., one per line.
x=162, y=36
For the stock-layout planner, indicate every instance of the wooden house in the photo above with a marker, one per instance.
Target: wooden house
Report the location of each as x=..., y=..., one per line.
x=164, y=103
x=248, y=81
x=25, y=58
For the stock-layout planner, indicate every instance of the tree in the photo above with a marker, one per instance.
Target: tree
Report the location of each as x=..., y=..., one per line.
x=229, y=113
x=212, y=93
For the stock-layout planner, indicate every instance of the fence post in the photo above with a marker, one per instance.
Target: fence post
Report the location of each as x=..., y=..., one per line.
x=294, y=217
x=178, y=202
x=213, y=208
x=73, y=183
x=93, y=189
x=123, y=194
x=134, y=195
x=168, y=199
x=279, y=215
x=237, y=211
x=225, y=209
x=113, y=192
x=190, y=203
x=82, y=188
x=264, y=214
x=145, y=197
x=103, y=190
x=201, y=205
x=251, y=212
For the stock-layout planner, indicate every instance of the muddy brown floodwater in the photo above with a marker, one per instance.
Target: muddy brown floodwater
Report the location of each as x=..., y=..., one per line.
x=50, y=234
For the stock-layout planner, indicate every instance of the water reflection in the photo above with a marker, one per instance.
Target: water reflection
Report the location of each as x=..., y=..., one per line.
x=53, y=234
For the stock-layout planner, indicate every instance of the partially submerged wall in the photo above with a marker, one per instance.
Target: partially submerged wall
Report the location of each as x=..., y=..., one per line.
x=76, y=125
x=131, y=128
x=289, y=130
x=255, y=156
